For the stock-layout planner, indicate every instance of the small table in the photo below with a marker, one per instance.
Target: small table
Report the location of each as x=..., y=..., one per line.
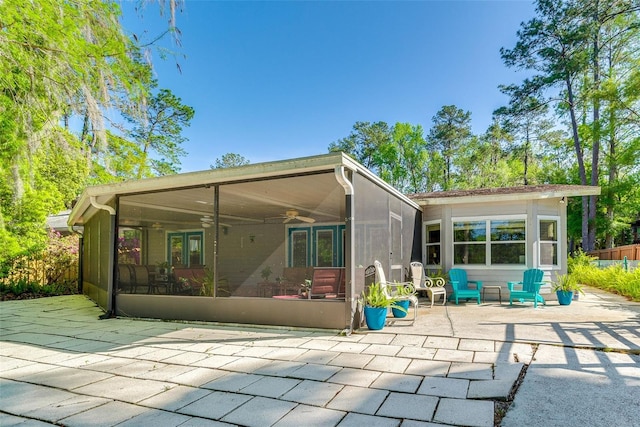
x=493, y=287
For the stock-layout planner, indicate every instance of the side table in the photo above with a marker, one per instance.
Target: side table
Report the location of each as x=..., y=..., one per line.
x=494, y=288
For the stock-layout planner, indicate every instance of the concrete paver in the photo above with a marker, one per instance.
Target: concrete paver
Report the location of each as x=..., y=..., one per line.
x=446, y=369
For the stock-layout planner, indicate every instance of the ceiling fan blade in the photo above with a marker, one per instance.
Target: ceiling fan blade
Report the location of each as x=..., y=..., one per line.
x=287, y=220
x=306, y=219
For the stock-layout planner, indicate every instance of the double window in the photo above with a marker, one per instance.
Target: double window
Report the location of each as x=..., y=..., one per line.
x=496, y=241
x=318, y=246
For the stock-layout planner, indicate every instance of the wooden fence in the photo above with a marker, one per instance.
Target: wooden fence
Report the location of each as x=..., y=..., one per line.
x=632, y=252
x=41, y=271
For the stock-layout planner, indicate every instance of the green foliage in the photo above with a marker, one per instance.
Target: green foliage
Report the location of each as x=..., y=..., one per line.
x=64, y=62
x=612, y=279
x=579, y=259
x=23, y=289
x=230, y=160
x=208, y=283
x=566, y=283
x=375, y=296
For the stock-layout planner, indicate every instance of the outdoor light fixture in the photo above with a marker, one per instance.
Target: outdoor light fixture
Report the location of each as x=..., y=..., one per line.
x=562, y=200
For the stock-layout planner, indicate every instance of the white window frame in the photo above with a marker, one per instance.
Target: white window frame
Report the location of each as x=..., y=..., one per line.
x=426, y=244
x=557, y=242
x=487, y=220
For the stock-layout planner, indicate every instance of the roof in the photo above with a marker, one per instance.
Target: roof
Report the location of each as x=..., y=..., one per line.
x=483, y=195
x=100, y=195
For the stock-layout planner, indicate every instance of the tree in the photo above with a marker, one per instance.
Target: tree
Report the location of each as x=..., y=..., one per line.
x=563, y=46
x=230, y=160
x=159, y=130
x=363, y=142
x=527, y=122
x=62, y=60
x=450, y=132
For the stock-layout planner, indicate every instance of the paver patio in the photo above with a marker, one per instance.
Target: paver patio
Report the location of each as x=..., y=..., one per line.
x=60, y=364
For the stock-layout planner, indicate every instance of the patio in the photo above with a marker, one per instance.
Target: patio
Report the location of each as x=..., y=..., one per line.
x=60, y=364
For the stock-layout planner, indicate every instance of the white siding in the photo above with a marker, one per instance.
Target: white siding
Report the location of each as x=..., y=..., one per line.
x=500, y=275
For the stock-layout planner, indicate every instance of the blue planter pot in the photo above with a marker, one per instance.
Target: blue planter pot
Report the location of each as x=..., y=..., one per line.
x=400, y=313
x=375, y=317
x=564, y=298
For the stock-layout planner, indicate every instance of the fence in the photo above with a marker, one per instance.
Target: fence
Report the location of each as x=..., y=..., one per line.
x=632, y=252
x=41, y=271
x=625, y=264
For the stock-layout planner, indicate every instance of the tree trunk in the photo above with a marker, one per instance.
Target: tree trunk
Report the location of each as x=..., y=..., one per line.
x=580, y=157
x=595, y=160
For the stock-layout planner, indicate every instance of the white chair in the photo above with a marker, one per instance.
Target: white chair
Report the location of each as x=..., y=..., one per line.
x=390, y=289
x=432, y=286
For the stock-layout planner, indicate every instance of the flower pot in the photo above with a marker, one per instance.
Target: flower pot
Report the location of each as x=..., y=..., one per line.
x=400, y=313
x=564, y=298
x=375, y=317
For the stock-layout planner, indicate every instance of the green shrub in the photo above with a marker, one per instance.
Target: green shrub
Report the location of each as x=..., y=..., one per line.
x=613, y=279
x=579, y=258
x=23, y=289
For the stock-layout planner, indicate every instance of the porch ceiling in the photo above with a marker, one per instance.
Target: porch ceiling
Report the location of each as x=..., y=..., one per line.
x=317, y=196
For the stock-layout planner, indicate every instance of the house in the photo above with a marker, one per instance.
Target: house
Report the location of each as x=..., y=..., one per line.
x=240, y=244
x=496, y=233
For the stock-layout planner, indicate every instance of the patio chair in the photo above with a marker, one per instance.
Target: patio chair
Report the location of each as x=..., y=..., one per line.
x=326, y=282
x=431, y=286
x=529, y=288
x=124, y=279
x=391, y=289
x=460, y=285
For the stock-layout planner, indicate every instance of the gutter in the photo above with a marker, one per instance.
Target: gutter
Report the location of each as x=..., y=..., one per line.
x=111, y=295
x=350, y=253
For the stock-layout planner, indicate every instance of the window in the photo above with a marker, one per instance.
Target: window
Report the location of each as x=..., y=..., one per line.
x=432, y=242
x=324, y=248
x=299, y=248
x=185, y=249
x=548, y=227
x=129, y=246
x=317, y=246
x=497, y=241
x=469, y=245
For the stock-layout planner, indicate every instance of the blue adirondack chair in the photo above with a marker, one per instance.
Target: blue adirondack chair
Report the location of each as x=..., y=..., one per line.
x=460, y=285
x=530, y=288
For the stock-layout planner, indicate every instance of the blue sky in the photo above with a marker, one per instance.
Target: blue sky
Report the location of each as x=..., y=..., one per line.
x=276, y=80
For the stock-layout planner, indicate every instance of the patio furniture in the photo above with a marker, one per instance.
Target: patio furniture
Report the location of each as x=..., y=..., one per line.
x=124, y=278
x=492, y=287
x=403, y=291
x=530, y=288
x=460, y=285
x=326, y=282
x=431, y=286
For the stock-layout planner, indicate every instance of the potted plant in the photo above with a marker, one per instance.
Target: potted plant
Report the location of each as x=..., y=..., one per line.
x=266, y=272
x=402, y=291
x=565, y=286
x=207, y=282
x=163, y=268
x=376, y=303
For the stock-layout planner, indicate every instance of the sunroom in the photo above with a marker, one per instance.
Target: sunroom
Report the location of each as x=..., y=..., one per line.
x=242, y=245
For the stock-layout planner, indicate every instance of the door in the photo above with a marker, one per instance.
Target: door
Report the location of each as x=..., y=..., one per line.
x=185, y=248
x=395, y=248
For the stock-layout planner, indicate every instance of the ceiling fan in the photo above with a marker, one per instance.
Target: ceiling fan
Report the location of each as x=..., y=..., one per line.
x=292, y=214
x=206, y=221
